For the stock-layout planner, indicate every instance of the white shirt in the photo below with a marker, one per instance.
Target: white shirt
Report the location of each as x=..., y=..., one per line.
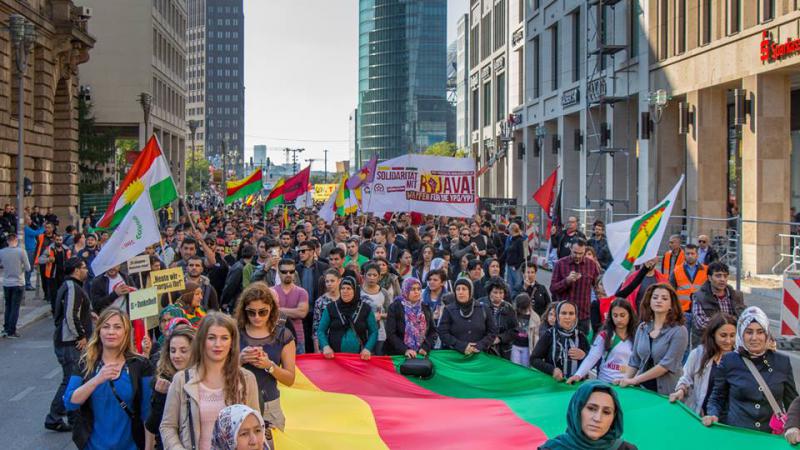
x=613, y=364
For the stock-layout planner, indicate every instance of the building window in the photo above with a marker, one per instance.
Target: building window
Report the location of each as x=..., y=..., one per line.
x=766, y=10
x=537, y=68
x=663, y=43
x=705, y=21
x=635, y=27
x=576, y=45
x=734, y=16
x=487, y=104
x=680, y=26
x=475, y=110
x=486, y=36
x=499, y=24
x=554, y=66
x=520, y=77
x=501, y=97
x=474, y=48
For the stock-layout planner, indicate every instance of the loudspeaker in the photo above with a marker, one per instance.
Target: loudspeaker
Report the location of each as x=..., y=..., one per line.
x=577, y=140
x=556, y=144
x=685, y=117
x=605, y=134
x=741, y=106
x=537, y=150
x=520, y=150
x=645, y=126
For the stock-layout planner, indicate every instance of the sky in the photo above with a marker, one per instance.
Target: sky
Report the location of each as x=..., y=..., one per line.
x=301, y=75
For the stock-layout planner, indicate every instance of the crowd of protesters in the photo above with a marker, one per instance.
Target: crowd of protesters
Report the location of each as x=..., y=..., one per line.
x=258, y=292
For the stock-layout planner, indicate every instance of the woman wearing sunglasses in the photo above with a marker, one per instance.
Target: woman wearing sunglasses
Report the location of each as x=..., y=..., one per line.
x=267, y=347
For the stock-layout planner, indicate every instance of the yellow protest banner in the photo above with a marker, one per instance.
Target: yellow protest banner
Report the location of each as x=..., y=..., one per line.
x=323, y=191
x=167, y=280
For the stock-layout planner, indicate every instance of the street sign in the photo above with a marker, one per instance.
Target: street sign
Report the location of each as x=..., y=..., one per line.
x=139, y=264
x=143, y=303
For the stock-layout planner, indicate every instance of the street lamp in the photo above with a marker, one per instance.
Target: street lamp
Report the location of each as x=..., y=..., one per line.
x=23, y=36
x=146, y=100
x=193, y=124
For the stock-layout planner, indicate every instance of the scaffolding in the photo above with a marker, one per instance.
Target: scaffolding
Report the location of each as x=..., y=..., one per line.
x=600, y=141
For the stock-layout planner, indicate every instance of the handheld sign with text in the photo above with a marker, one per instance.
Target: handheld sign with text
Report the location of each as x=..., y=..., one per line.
x=168, y=280
x=143, y=303
x=139, y=264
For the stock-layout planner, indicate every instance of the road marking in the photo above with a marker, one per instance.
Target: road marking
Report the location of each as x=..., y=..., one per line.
x=53, y=373
x=22, y=394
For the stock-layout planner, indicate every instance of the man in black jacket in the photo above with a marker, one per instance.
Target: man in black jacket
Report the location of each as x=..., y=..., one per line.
x=73, y=322
x=600, y=244
x=309, y=272
x=110, y=289
x=233, y=282
x=539, y=295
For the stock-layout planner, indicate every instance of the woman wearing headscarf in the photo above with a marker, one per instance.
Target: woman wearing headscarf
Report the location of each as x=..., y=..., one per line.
x=594, y=421
x=466, y=325
x=189, y=303
x=166, y=316
x=240, y=427
x=409, y=324
x=348, y=324
x=737, y=398
x=560, y=351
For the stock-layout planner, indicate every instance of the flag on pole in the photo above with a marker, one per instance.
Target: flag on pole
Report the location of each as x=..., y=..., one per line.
x=275, y=196
x=545, y=196
x=365, y=175
x=137, y=230
x=297, y=185
x=306, y=200
x=347, y=200
x=328, y=210
x=150, y=173
x=240, y=189
x=635, y=241
x=555, y=212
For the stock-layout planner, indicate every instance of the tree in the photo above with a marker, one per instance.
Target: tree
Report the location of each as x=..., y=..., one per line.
x=197, y=175
x=123, y=146
x=95, y=150
x=445, y=148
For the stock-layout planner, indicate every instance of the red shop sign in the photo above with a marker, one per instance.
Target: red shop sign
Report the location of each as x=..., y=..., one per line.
x=772, y=51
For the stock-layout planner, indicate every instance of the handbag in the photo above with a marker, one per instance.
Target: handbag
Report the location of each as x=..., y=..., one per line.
x=778, y=420
x=189, y=411
x=417, y=367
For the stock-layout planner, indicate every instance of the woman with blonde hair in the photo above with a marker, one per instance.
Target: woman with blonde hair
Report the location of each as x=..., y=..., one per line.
x=267, y=347
x=213, y=381
x=111, y=390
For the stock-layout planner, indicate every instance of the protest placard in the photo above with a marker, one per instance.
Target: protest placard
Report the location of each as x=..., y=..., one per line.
x=143, y=303
x=167, y=280
x=138, y=264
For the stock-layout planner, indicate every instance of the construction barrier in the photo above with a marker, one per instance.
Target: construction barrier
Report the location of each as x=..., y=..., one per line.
x=790, y=308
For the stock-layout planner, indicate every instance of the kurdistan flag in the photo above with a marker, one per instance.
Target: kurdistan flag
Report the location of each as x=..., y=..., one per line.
x=635, y=241
x=149, y=173
x=137, y=230
x=275, y=197
x=240, y=189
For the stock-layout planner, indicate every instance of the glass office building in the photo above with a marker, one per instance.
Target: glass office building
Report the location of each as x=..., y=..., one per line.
x=402, y=71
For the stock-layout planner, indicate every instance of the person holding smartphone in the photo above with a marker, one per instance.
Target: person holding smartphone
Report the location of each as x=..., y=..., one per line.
x=267, y=347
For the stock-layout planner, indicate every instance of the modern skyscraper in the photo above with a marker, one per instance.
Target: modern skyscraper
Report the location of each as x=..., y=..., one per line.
x=462, y=82
x=402, y=76
x=216, y=77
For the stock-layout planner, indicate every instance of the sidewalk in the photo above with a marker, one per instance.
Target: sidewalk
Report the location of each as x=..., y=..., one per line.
x=33, y=308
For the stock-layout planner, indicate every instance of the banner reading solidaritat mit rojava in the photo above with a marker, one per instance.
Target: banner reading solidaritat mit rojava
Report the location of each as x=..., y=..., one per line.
x=438, y=185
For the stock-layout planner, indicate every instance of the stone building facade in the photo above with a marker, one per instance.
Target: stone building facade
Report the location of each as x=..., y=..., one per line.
x=51, y=95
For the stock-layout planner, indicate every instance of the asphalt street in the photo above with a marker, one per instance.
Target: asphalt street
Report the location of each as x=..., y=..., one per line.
x=30, y=375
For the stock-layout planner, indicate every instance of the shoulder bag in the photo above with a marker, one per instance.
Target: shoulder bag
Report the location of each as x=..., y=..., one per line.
x=778, y=420
x=189, y=412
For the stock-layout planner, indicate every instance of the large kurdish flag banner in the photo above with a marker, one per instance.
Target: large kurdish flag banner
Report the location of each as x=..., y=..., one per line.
x=240, y=189
x=477, y=402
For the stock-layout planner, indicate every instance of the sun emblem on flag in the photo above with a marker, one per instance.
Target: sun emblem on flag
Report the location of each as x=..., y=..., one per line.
x=133, y=191
x=641, y=233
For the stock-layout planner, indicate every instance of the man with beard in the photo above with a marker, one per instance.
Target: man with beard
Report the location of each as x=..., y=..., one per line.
x=54, y=259
x=88, y=254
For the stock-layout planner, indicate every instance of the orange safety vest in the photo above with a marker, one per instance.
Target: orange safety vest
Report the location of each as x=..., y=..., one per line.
x=665, y=263
x=48, y=268
x=39, y=245
x=686, y=287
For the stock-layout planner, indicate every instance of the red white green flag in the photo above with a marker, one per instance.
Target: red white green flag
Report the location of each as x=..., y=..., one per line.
x=150, y=173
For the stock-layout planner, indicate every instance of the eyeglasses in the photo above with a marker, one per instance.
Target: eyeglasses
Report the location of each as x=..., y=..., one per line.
x=287, y=272
x=259, y=312
x=702, y=242
x=464, y=234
